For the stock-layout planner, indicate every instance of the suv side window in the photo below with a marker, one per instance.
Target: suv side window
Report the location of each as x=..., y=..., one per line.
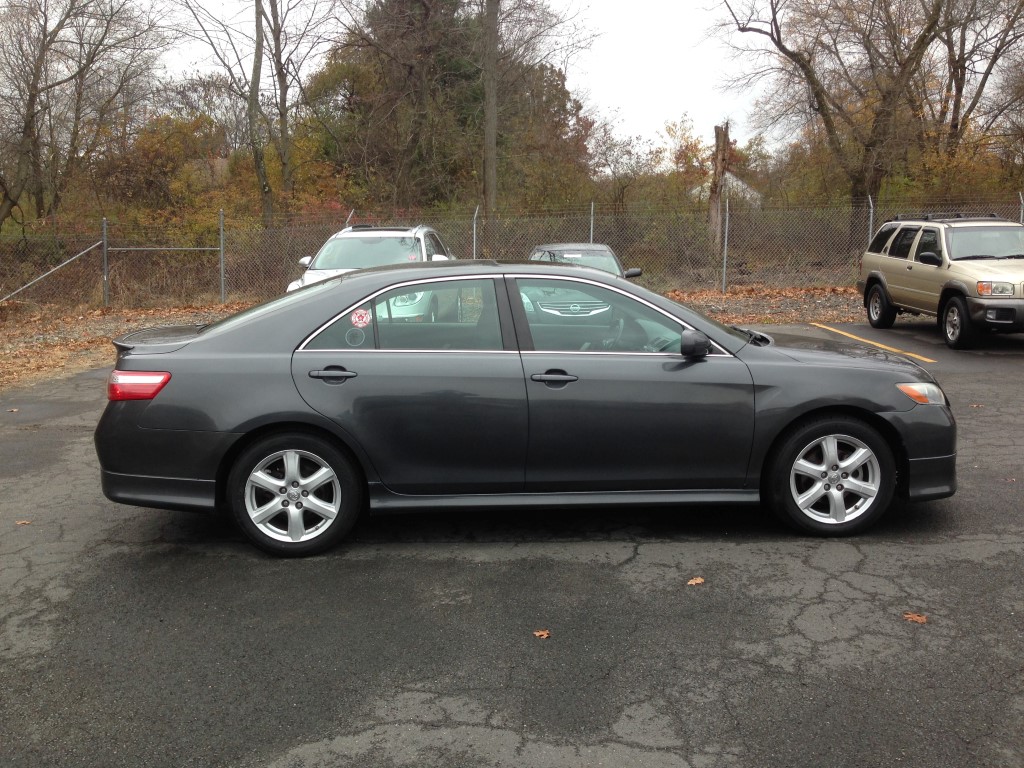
x=882, y=237
x=930, y=241
x=900, y=248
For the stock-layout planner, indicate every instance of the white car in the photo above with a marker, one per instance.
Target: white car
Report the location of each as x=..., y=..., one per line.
x=360, y=247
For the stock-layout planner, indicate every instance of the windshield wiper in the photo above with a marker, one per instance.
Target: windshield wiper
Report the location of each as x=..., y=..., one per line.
x=976, y=257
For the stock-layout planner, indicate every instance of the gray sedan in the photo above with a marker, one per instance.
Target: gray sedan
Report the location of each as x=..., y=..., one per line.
x=552, y=386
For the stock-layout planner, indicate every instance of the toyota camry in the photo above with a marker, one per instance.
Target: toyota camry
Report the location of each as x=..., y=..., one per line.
x=537, y=385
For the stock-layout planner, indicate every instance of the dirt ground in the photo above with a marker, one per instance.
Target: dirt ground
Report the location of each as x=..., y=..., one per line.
x=38, y=342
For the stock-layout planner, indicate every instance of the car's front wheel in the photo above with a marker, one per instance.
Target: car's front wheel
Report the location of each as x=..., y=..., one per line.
x=295, y=494
x=957, y=329
x=881, y=314
x=832, y=477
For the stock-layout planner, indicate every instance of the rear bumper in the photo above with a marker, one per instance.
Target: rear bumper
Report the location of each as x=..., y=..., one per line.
x=160, y=492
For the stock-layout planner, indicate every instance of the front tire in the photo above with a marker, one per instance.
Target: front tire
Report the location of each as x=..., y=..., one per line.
x=832, y=477
x=881, y=314
x=958, y=330
x=295, y=494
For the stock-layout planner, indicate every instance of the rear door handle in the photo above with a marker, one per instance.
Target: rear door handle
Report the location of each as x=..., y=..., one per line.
x=333, y=375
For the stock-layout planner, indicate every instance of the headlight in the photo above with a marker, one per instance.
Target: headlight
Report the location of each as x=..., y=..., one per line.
x=407, y=299
x=921, y=392
x=988, y=288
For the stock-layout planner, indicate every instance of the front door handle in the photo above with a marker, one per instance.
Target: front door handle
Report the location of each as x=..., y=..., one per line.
x=333, y=374
x=555, y=379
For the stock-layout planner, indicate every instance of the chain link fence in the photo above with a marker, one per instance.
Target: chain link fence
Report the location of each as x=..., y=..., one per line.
x=155, y=266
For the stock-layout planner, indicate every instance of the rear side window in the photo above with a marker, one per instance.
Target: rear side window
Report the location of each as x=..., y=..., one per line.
x=880, y=239
x=900, y=247
x=457, y=314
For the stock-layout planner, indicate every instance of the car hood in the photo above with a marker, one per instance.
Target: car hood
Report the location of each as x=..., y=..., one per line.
x=840, y=353
x=1011, y=269
x=311, y=276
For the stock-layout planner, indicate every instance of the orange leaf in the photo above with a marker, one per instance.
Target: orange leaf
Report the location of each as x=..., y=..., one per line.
x=695, y=581
x=23, y=522
x=543, y=634
x=917, y=618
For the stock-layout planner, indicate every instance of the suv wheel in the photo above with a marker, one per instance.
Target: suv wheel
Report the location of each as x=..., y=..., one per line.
x=881, y=314
x=957, y=329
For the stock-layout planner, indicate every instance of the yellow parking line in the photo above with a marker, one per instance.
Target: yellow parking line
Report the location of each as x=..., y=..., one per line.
x=876, y=344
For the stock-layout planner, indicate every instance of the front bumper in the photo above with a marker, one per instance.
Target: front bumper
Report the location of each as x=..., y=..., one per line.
x=928, y=435
x=997, y=314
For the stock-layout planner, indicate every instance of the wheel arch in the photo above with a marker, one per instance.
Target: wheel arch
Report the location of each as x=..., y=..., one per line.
x=887, y=431
x=949, y=291
x=277, y=428
x=872, y=280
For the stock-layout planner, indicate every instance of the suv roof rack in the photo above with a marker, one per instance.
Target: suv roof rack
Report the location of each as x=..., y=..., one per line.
x=944, y=217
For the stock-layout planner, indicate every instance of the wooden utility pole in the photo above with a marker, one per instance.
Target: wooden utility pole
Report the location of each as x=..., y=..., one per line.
x=720, y=166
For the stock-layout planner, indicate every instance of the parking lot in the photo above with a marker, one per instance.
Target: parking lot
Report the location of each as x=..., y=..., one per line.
x=689, y=638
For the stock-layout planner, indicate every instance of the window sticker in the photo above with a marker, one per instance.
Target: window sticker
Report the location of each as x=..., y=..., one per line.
x=361, y=318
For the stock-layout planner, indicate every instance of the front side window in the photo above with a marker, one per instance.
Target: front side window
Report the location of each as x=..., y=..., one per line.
x=570, y=316
x=930, y=242
x=443, y=315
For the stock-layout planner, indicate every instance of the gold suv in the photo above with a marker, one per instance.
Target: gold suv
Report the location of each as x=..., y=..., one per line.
x=967, y=272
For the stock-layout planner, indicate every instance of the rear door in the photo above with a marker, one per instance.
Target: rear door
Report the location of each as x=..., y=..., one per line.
x=438, y=403
x=896, y=265
x=925, y=280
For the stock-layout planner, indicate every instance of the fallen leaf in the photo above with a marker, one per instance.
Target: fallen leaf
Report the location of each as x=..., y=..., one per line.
x=12, y=410
x=977, y=405
x=917, y=618
x=23, y=522
x=543, y=634
x=695, y=581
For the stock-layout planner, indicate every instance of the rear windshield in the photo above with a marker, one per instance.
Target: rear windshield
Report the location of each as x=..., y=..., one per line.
x=596, y=259
x=364, y=252
x=997, y=242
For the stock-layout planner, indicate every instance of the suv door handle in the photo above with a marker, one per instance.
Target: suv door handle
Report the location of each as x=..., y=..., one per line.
x=333, y=374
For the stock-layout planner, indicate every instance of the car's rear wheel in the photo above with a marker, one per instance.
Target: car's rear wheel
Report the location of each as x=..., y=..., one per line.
x=881, y=314
x=295, y=494
x=832, y=477
x=957, y=329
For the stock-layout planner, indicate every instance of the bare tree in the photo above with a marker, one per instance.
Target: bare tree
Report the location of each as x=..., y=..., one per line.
x=286, y=36
x=848, y=65
x=66, y=68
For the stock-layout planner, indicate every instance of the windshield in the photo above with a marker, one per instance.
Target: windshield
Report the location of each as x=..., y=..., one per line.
x=364, y=252
x=997, y=242
x=602, y=260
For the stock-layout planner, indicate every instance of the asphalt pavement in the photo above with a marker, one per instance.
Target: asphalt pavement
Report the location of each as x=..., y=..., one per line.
x=134, y=637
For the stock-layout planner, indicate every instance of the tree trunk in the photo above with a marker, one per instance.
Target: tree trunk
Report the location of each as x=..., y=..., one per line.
x=490, y=119
x=719, y=169
x=253, y=117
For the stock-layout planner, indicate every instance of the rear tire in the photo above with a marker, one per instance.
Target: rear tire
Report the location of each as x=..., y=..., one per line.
x=958, y=330
x=295, y=494
x=881, y=314
x=832, y=477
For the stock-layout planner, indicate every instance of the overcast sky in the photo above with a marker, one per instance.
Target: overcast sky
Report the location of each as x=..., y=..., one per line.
x=653, y=63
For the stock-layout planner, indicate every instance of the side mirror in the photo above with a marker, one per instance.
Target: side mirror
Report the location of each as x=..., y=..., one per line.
x=305, y=261
x=634, y=272
x=930, y=258
x=694, y=344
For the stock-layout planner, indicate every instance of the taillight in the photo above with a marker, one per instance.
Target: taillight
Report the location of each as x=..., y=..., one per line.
x=136, y=385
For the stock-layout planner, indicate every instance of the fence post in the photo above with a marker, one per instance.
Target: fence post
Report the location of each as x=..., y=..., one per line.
x=106, y=267
x=475, y=214
x=591, y=221
x=871, y=218
x=1021, y=196
x=725, y=244
x=223, y=278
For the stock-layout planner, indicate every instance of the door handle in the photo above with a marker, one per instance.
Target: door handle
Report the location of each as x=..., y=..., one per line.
x=556, y=377
x=333, y=375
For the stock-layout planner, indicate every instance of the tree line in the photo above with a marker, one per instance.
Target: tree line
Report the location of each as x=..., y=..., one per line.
x=325, y=105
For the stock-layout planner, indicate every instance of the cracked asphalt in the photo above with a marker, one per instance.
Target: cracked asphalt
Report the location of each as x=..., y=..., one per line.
x=133, y=637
